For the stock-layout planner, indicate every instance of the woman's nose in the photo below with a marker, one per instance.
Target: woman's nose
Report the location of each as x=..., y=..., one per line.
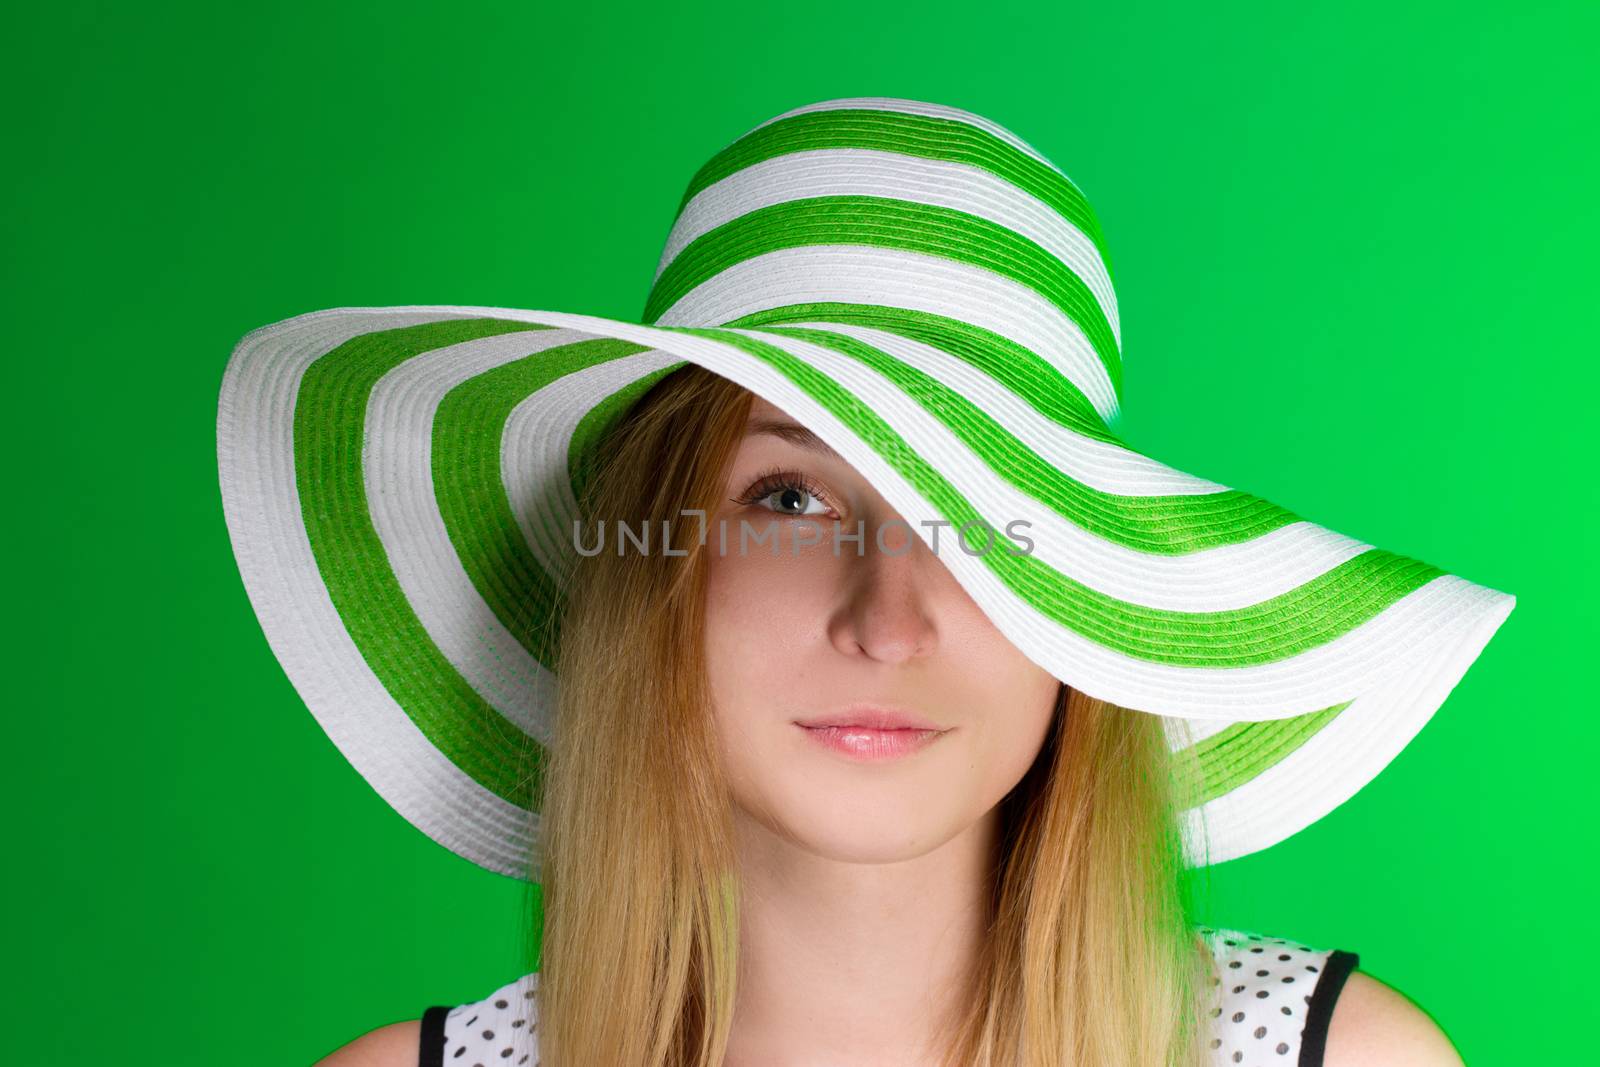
x=888, y=610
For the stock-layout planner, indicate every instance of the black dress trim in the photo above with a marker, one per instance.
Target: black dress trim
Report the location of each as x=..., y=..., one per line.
x=430, y=1050
x=1319, y=1012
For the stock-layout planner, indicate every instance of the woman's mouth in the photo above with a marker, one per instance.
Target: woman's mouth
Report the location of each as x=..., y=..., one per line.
x=872, y=744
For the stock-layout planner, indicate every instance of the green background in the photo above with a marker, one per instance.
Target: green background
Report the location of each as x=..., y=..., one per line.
x=1355, y=253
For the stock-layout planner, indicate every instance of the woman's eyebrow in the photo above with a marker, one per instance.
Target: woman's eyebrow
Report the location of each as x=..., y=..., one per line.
x=792, y=432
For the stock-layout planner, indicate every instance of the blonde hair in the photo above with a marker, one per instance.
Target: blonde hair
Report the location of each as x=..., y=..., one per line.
x=1091, y=958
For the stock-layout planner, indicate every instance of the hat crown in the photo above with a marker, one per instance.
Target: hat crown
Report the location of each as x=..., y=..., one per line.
x=925, y=220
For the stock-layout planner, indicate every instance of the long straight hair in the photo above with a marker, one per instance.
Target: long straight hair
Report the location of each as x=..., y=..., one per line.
x=1091, y=960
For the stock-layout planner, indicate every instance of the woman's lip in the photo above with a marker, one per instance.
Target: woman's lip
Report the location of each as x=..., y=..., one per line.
x=870, y=744
x=871, y=717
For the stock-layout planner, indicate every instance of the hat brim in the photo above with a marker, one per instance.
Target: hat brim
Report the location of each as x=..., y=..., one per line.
x=398, y=487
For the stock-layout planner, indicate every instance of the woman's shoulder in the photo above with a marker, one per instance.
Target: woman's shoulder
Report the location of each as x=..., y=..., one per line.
x=1375, y=1025
x=1277, y=999
x=394, y=1045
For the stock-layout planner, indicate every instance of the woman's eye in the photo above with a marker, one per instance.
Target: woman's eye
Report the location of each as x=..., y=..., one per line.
x=793, y=500
x=787, y=493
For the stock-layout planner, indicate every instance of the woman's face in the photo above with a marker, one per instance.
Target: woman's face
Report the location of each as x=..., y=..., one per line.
x=797, y=632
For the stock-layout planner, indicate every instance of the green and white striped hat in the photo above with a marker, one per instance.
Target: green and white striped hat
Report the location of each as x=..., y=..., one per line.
x=933, y=298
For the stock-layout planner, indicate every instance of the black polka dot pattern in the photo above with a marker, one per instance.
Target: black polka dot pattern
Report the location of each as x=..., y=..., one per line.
x=1260, y=991
x=497, y=1031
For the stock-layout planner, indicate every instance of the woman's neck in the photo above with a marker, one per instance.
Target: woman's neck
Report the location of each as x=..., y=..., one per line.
x=852, y=963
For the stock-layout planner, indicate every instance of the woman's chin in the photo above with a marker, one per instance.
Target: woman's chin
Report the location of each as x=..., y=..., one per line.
x=876, y=824
x=852, y=842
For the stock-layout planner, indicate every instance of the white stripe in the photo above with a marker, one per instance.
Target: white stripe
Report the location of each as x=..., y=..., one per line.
x=397, y=464
x=900, y=279
x=255, y=452
x=1346, y=753
x=1102, y=466
x=1214, y=579
x=865, y=172
x=924, y=110
x=534, y=450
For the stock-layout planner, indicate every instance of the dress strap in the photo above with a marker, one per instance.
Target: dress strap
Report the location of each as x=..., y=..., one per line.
x=1319, y=1012
x=430, y=1052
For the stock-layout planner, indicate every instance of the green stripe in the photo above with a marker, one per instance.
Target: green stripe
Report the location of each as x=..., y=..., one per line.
x=1238, y=753
x=1300, y=619
x=949, y=140
x=468, y=431
x=1019, y=369
x=1170, y=524
x=897, y=224
x=329, y=430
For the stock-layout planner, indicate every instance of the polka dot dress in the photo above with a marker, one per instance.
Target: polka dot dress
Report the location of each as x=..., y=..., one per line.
x=1270, y=1002
x=499, y=1029
x=1271, y=998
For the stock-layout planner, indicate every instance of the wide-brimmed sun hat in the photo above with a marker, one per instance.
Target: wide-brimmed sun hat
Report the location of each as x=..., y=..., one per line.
x=933, y=298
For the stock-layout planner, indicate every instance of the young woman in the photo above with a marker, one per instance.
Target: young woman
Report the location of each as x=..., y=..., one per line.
x=819, y=784
x=975, y=878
